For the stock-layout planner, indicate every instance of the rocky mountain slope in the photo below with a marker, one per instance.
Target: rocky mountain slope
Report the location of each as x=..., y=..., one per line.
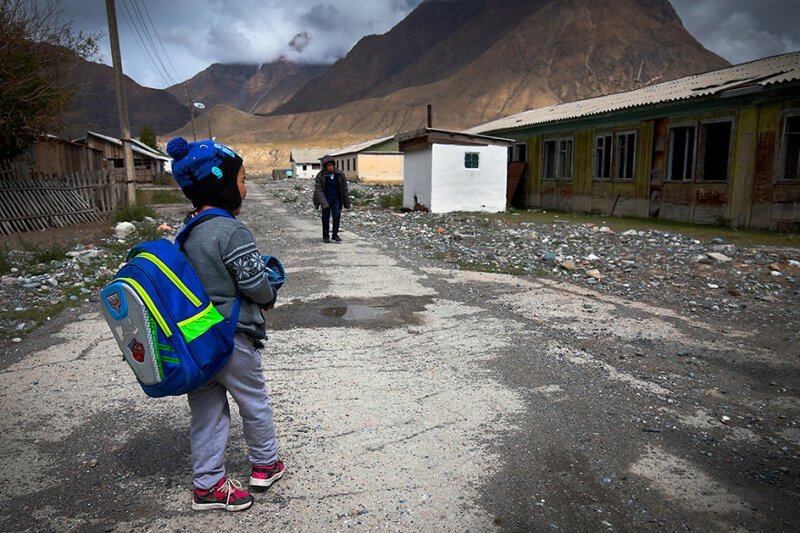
x=512, y=55
x=477, y=60
x=94, y=104
x=257, y=89
x=473, y=60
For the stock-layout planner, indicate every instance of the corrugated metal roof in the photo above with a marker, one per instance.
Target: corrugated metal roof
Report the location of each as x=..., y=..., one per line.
x=762, y=72
x=308, y=155
x=136, y=146
x=360, y=147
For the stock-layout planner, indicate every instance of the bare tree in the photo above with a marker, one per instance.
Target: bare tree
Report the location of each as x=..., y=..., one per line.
x=36, y=50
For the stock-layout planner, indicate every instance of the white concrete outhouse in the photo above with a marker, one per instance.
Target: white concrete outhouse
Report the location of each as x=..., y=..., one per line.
x=446, y=171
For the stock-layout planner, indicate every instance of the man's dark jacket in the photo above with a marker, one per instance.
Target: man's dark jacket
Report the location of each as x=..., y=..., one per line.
x=341, y=189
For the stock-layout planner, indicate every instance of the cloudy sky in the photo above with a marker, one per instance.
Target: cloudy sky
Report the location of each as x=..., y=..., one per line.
x=189, y=35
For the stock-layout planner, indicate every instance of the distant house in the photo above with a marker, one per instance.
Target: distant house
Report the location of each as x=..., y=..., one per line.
x=148, y=163
x=52, y=156
x=454, y=171
x=718, y=147
x=306, y=161
x=377, y=161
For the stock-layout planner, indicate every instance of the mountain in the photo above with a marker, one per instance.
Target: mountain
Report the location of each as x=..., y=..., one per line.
x=94, y=104
x=498, y=57
x=253, y=88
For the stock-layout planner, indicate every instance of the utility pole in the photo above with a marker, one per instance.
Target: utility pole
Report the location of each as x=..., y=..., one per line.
x=122, y=105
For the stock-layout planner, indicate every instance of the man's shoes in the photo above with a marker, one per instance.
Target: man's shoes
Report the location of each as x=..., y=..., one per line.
x=337, y=238
x=226, y=494
x=265, y=475
x=326, y=240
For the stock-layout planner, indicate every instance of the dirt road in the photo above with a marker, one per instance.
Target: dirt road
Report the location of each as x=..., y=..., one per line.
x=411, y=397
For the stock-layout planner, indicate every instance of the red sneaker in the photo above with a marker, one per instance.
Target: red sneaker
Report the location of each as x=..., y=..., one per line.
x=226, y=494
x=265, y=475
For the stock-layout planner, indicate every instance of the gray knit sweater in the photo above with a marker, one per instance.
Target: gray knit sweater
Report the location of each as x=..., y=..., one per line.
x=224, y=255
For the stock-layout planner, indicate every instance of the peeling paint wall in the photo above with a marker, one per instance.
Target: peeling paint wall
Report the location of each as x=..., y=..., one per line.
x=753, y=195
x=384, y=169
x=417, y=178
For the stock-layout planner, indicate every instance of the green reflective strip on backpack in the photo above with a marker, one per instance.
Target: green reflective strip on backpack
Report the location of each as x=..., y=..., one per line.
x=172, y=277
x=170, y=360
x=198, y=324
x=157, y=350
x=149, y=303
x=165, y=348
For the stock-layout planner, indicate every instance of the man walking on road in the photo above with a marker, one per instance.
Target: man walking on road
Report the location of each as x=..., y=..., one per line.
x=330, y=192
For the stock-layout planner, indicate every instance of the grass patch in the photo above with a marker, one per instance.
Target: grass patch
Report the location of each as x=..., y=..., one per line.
x=392, y=200
x=33, y=318
x=40, y=254
x=160, y=197
x=360, y=197
x=5, y=261
x=133, y=212
x=701, y=232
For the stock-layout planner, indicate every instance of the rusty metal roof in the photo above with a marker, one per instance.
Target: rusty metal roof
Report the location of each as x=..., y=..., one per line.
x=753, y=75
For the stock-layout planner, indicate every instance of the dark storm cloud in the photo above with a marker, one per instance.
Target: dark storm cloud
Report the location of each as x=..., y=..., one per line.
x=743, y=30
x=300, y=41
x=321, y=15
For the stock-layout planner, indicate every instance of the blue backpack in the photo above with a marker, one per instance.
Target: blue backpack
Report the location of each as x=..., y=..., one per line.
x=170, y=333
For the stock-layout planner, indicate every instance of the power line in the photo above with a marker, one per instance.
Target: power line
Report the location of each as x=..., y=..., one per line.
x=143, y=46
x=158, y=37
x=138, y=12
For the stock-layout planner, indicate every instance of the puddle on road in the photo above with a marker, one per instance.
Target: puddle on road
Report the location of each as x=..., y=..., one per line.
x=354, y=312
x=377, y=313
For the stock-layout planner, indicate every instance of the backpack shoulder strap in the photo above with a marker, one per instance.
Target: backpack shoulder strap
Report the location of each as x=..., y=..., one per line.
x=199, y=218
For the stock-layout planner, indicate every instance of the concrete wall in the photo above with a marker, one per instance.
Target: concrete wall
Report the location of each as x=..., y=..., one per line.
x=417, y=166
x=312, y=169
x=456, y=188
x=384, y=169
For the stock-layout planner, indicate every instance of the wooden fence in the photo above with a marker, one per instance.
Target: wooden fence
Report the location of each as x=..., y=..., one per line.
x=32, y=203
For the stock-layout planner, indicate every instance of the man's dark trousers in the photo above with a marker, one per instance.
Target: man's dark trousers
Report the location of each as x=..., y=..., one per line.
x=335, y=209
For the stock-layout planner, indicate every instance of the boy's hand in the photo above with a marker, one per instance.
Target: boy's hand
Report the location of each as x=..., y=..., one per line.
x=268, y=307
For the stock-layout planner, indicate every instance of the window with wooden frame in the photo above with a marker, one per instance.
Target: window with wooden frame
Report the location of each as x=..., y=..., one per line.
x=557, y=158
x=602, y=156
x=713, y=150
x=790, y=149
x=680, y=165
x=471, y=160
x=624, y=155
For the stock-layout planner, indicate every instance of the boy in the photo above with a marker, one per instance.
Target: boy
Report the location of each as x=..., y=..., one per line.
x=330, y=192
x=224, y=254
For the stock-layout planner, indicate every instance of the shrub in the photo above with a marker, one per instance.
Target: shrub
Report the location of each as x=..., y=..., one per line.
x=392, y=200
x=133, y=212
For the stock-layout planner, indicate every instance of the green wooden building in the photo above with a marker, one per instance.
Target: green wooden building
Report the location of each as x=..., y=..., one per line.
x=719, y=147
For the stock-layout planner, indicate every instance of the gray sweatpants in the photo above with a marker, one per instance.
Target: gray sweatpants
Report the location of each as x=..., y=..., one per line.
x=243, y=377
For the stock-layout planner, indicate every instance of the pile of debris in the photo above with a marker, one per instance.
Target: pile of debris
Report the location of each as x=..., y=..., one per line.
x=44, y=281
x=701, y=278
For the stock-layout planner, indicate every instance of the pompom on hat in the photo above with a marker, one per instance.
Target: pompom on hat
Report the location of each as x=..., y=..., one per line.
x=206, y=172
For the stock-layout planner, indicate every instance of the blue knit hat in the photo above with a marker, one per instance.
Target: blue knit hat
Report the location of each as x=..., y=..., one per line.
x=206, y=172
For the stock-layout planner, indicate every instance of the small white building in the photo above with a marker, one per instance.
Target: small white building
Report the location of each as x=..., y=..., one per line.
x=306, y=161
x=448, y=171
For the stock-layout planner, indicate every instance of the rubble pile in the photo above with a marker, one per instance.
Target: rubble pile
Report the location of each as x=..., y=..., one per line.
x=709, y=277
x=33, y=291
